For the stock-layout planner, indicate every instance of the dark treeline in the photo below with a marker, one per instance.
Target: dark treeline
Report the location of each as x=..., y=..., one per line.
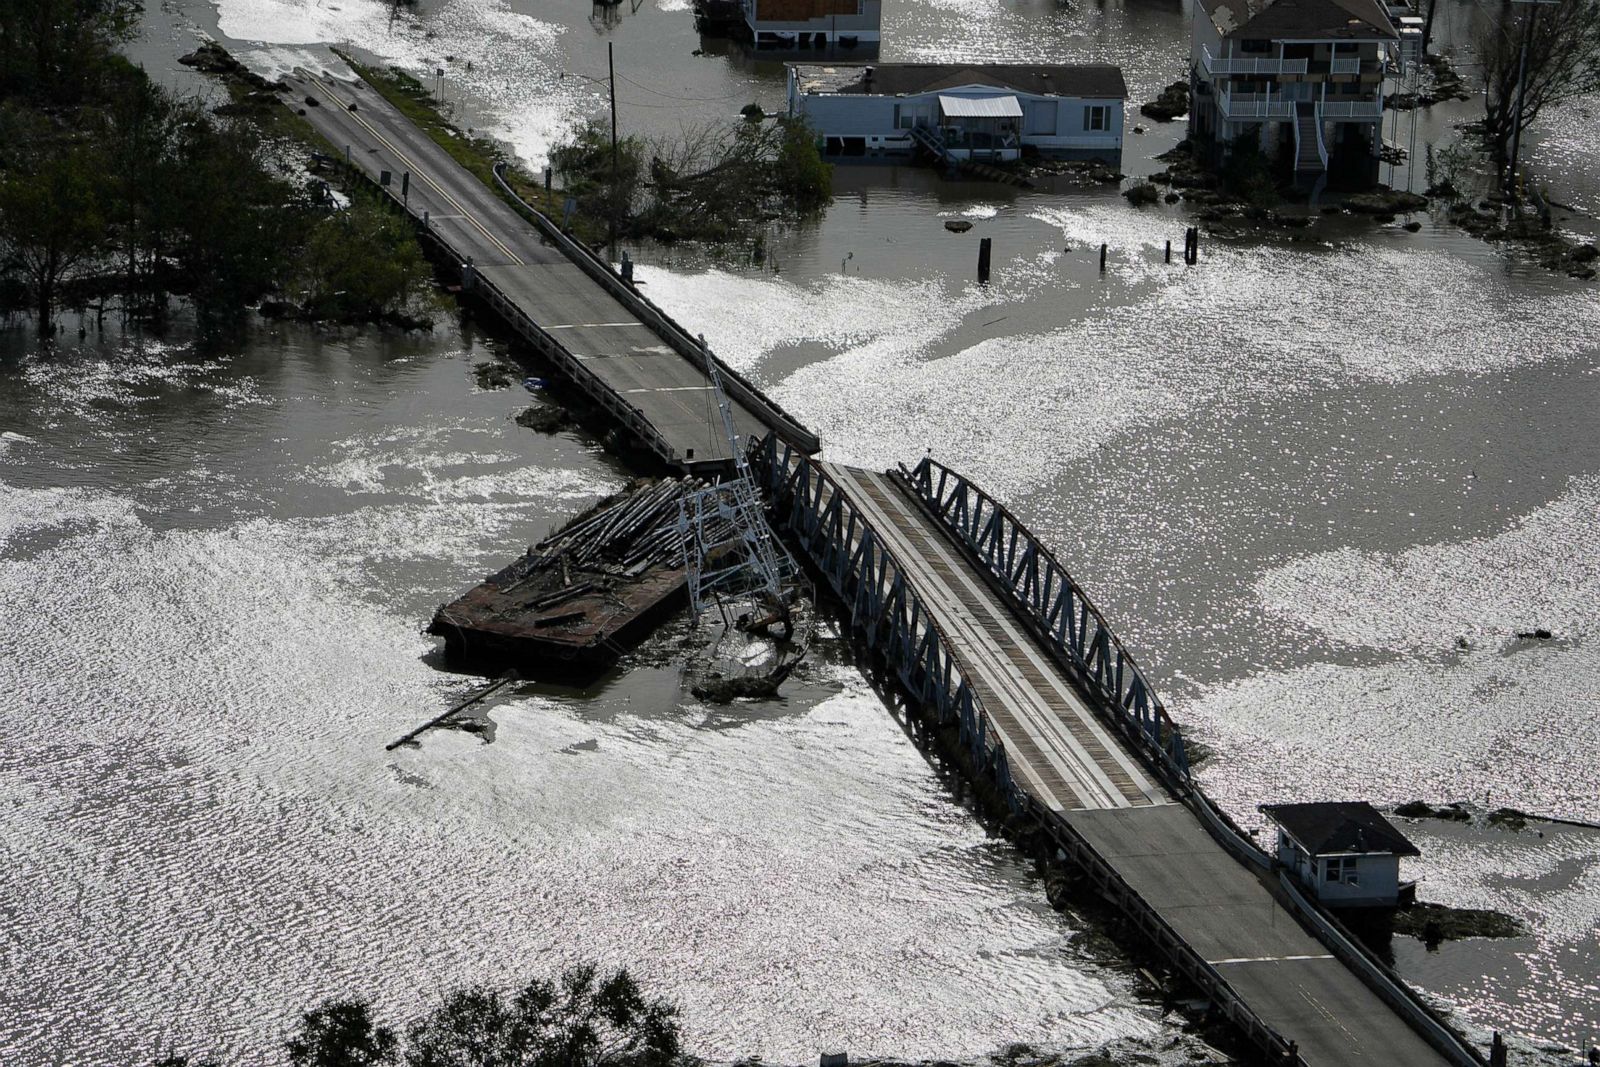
x=111, y=186
x=582, y=1019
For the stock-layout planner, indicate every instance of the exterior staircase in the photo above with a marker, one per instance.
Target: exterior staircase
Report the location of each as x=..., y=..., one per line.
x=934, y=146
x=1309, y=154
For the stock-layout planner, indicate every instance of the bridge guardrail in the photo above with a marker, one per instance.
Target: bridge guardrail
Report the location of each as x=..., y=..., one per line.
x=993, y=535
x=865, y=574
x=1381, y=980
x=687, y=346
x=633, y=419
x=869, y=579
x=603, y=394
x=1068, y=620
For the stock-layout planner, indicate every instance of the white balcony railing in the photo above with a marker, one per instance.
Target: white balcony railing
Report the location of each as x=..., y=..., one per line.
x=1254, y=106
x=1352, y=109
x=1346, y=66
x=1241, y=65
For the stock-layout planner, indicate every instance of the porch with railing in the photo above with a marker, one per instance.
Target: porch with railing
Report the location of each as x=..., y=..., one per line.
x=1250, y=64
x=1254, y=106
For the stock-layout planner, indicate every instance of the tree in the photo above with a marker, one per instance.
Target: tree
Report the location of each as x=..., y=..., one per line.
x=1563, y=62
x=800, y=174
x=603, y=188
x=141, y=129
x=52, y=48
x=237, y=220
x=50, y=216
x=341, y=1034
x=579, y=1020
x=361, y=262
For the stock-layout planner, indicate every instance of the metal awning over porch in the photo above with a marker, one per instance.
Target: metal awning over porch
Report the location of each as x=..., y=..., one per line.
x=983, y=107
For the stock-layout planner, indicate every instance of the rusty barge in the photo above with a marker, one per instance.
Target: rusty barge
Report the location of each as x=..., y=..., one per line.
x=570, y=607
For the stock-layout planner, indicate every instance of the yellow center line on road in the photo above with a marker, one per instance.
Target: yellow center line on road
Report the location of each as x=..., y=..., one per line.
x=402, y=157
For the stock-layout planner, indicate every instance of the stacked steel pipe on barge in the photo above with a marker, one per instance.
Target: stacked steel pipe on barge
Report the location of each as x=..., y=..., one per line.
x=574, y=603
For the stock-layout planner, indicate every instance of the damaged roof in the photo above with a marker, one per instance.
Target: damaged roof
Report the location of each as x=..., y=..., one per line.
x=1300, y=20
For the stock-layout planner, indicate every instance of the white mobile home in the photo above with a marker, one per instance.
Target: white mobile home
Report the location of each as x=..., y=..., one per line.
x=963, y=111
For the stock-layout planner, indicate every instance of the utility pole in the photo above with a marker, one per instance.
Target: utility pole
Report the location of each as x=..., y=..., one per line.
x=611, y=66
x=1522, y=87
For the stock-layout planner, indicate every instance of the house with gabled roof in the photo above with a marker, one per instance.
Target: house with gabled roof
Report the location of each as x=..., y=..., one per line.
x=1345, y=853
x=965, y=111
x=1303, y=78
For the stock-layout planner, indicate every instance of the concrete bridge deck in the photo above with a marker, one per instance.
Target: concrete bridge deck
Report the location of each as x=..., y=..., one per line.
x=1079, y=771
x=601, y=337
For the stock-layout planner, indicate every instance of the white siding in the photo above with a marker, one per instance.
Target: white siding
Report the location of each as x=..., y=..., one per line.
x=858, y=115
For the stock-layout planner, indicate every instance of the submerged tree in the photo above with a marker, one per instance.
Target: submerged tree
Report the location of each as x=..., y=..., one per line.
x=1563, y=62
x=360, y=263
x=50, y=210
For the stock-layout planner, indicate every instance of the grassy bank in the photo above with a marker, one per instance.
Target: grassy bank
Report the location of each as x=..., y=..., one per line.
x=477, y=154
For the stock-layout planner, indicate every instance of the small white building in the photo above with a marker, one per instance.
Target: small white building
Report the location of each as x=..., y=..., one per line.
x=962, y=111
x=1345, y=853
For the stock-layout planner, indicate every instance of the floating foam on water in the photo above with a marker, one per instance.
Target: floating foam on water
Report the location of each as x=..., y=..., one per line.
x=1542, y=572
x=24, y=510
x=514, y=73
x=906, y=378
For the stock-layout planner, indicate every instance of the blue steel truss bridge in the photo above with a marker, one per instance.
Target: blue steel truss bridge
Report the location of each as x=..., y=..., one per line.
x=988, y=633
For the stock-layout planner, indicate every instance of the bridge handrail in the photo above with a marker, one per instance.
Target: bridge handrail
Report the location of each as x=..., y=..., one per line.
x=634, y=418
x=1057, y=603
x=999, y=558
x=1233, y=1005
x=788, y=478
x=762, y=406
x=953, y=695
x=1382, y=980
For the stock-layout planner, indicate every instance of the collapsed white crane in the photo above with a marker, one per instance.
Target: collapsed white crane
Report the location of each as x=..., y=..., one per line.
x=732, y=557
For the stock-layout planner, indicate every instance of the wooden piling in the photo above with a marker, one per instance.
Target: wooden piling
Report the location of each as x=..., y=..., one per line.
x=985, y=247
x=1102, y=257
x=1169, y=251
x=488, y=690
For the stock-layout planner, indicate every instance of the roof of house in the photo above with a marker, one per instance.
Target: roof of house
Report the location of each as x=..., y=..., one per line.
x=1330, y=828
x=1098, y=80
x=1300, y=20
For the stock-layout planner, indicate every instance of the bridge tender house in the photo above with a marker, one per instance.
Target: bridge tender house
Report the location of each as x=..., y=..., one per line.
x=978, y=112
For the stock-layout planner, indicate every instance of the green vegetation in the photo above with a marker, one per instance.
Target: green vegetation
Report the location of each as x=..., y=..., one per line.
x=581, y=1019
x=1246, y=172
x=714, y=183
x=112, y=187
x=359, y=264
x=604, y=188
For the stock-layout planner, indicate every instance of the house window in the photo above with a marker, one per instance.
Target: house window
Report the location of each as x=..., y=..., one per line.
x=1339, y=869
x=1097, y=117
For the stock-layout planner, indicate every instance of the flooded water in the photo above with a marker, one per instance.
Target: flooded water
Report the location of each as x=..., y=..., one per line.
x=215, y=570
x=1293, y=476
